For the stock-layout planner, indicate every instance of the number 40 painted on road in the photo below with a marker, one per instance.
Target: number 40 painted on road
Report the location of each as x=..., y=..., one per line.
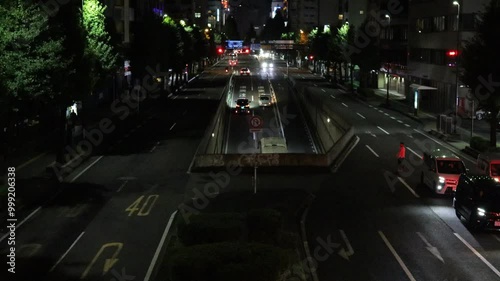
x=142, y=208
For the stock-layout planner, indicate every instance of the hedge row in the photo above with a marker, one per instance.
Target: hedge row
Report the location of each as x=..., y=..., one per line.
x=479, y=144
x=260, y=225
x=229, y=261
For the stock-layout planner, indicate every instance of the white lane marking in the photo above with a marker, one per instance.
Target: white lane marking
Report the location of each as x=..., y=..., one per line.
x=88, y=167
x=175, y=97
x=409, y=188
x=138, y=126
x=323, y=90
x=407, y=125
x=427, y=137
x=369, y=148
x=361, y=115
x=386, y=114
x=380, y=111
x=119, y=141
x=478, y=254
x=412, y=151
x=121, y=186
x=370, y=105
x=133, y=130
x=21, y=223
x=496, y=237
x=154, y=147
x=383, y=130
x=400, y=121
x=170, y=95
x=395, y=254
x=350, y=250
x=345, y=105
x=172, y=126
x=160, y=245
x=433, y=250
x=393, y=118
x=30, y=161
x=127, y=135
x=316, y=85
x=332, y=96
x=67, y=251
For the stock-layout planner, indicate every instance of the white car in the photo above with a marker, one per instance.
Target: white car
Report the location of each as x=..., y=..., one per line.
x=265, y=100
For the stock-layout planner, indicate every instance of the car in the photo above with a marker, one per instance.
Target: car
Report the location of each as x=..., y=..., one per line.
x=441, y=171
x=242, y=106
x=266, y=65
x=477, y=201
x=265, y=100
x=482, y=114
x=244, y=71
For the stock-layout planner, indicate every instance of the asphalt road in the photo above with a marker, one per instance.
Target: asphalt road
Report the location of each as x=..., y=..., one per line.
x=282, y=118
x=367, y=224
x=108, y=220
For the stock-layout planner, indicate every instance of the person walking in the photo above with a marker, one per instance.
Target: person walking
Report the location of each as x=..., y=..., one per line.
x=401, y=155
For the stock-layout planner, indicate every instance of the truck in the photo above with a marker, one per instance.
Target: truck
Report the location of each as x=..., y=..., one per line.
x=273, y=145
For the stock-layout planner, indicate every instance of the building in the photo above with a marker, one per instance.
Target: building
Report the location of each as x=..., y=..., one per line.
x=435, y=34
x=303, y=14
x=215, y=14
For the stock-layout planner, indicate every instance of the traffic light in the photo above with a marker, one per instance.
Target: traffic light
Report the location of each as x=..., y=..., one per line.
x=452, y=53
x=311, y=57
x=451, y=58
x=220, y=50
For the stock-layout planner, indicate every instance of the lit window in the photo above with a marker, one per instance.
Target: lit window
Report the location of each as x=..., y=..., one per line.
x=361, y=12
x=341, y=16
x=197, y=15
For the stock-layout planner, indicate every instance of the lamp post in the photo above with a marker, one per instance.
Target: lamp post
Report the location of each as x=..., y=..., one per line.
x=388, y=75
x=456, y=66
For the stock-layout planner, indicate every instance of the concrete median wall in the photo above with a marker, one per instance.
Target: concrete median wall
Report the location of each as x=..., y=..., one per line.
x=214, y=144
x=332, y=133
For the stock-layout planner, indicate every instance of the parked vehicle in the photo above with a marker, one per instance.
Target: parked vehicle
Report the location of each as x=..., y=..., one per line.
x=477, y=200
x=489, y=165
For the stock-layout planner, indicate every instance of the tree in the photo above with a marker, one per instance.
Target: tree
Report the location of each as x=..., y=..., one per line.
x=29, y=56
x=99, y=52
x=366, y=57
x=480, y=60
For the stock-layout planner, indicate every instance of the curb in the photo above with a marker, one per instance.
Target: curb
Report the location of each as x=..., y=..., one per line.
x=439, y=135
x=383, y=105
x=305, y=243
x=471, y=151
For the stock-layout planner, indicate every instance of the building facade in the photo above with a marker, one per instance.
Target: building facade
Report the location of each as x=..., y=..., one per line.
x=436, y=32
x=303, y=14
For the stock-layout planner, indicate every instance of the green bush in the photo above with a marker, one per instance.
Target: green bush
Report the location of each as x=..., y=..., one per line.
x=264, y=225
x=229, y=261
x=479, y=144
x=211, y=228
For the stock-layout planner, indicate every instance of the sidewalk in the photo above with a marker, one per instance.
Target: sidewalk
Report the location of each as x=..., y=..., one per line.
x=398, y=103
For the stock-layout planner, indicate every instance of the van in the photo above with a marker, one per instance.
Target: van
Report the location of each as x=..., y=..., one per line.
x=489, y=165
x=273, y=145
x=441, y=171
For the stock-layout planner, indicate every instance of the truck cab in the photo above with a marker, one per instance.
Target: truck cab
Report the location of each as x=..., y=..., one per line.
x=489, y=165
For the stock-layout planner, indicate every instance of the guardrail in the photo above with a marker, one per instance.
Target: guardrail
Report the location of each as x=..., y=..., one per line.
x=213, y=141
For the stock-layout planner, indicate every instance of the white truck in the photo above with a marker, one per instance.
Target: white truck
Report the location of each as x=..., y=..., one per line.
x=273, y=145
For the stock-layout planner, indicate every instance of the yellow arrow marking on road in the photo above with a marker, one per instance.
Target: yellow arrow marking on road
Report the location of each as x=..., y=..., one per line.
x=108, y=263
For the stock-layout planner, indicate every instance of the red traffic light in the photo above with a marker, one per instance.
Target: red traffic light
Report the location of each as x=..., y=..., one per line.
x=452, y=53
x=311, y=57
x=220, y=50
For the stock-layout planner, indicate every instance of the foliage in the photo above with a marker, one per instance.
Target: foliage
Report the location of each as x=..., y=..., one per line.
x=479, y=144
x=211, y=228
x=264, y=226
x=29, y=56
x=366, y=54
x=99, y=52
x=480, y=60
x=230, y=261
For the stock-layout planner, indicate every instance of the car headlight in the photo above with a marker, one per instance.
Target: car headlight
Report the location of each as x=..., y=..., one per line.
x=271, y=65
x=481, y=212
x=441, y=179
x=264, y=64
x=496, y=179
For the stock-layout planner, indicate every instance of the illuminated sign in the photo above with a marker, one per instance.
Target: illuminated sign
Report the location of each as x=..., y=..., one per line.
x=234, y=44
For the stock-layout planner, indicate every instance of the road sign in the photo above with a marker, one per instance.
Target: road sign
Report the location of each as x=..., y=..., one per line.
x=256, y=122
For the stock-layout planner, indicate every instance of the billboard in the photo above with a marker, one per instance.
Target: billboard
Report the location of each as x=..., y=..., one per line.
x=234, y=44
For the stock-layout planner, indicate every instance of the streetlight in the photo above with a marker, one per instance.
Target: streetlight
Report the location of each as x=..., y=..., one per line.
x=388, y=75
x=456, y=65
